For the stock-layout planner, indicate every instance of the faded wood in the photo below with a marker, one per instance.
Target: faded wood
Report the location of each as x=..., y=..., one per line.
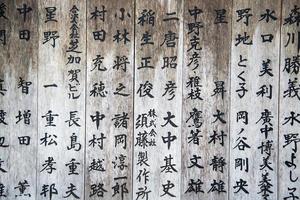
x=162, y=162
x=62, y=97
x=114, y=70
x=19, y=61
x=254, y=115
x=200, y=77
x=139, y=99
x=288, y=182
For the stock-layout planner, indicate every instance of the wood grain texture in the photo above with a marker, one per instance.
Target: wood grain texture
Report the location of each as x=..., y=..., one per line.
x=206, y=64
x=110, y=66
x=254, y=115
x=289, y=161
x=158, y=100
x=19, y=60
x=62, y=100
x=162, y=163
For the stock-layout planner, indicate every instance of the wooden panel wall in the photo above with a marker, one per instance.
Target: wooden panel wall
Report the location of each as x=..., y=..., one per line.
x=149, y=100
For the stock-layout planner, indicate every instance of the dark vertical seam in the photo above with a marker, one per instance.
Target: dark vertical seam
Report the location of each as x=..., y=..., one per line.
x=278, y=114
x=37, y=103
x=133, y=102
x=182, y=96
x=229, y=103
x=85, y=105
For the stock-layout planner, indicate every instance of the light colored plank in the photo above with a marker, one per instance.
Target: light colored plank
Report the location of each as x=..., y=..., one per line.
x=206, y=179
x=289, y=136
x=5, y=97
x=19, y=60
x=65, y=107
x=107, y=97
x=159, y=176
x=251, y=112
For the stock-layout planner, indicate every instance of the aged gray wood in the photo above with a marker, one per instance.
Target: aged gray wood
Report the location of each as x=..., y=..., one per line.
x=19, y=59
x=289, y=50
x=147, y=137
x=118, y=172
x=53, y=69
x=5, y=100
x=252, y=103
x=213, y=66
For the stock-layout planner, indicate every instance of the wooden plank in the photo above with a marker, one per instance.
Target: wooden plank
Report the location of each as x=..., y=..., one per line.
x=205, y=125
x=5, y=96
x=61, y=102
x=109, y=115
x=289, y=137
x=254, y=99
x=157, y=102
x=18, y=70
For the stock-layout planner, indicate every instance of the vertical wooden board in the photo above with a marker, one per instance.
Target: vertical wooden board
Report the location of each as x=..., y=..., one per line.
x=5, y=98
x=109, y=116
x=61, y=102
x=289, y=110
x=157, y=102
x=19, y=72
x=254, y=99
x=206, y=89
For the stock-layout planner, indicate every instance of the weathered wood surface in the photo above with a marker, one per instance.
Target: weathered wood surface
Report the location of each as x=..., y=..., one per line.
x=254, y=99
x=206, y=92
x=157, y=110
x=137, y=99
x=18, y=68
x=61, y=100
x=110, y=66
x=289, y=98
